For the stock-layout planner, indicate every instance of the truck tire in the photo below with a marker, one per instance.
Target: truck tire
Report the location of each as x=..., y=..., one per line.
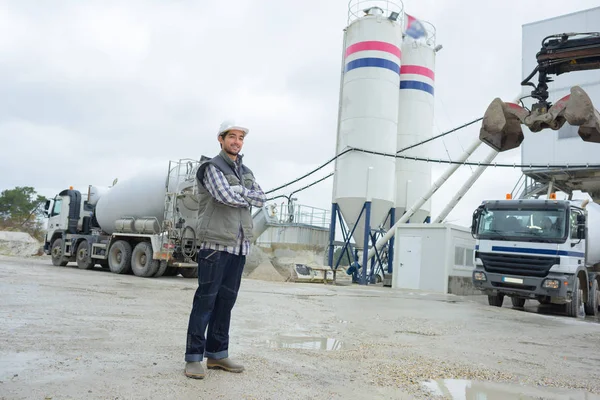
x=518, y=302
x=84, y=261
x=593, y=300
x=171, y=271
x=119, y=257
x=574, y=307
x=142, y=263
x=189, y=272
x=162, y=268
x=57, y=254
x=496, y=300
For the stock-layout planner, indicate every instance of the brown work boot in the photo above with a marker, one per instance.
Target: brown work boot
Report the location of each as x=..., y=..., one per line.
x=194, y=370
x=225, y=364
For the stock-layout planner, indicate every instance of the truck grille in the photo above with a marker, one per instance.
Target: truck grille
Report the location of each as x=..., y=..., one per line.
x=517, y=264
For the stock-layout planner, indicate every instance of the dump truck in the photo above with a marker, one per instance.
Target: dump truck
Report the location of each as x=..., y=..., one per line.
x=145, y=225
x=542, y=249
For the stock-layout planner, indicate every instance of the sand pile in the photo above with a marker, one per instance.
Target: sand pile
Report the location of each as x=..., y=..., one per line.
x=19, y=244
x=266, y=272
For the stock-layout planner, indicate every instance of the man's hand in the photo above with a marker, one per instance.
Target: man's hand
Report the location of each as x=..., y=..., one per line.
x=237, y=189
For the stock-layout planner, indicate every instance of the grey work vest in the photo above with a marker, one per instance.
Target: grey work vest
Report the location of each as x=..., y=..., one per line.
x=217, y=222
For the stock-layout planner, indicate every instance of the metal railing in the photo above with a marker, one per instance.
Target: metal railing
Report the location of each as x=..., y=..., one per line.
x=527, y=187
x=519, y=186
x=388, y=9
x=356, y=8
x=430, y=32
x=181, y=174
x=180, y=183
x=292, y=213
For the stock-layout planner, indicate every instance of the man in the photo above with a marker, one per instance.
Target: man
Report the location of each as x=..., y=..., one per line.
x=227, y=191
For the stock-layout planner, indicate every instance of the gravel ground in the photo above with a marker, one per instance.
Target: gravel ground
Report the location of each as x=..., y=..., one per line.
x=70, y=334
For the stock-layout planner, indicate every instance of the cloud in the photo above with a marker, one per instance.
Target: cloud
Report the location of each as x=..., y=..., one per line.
x=102, y=89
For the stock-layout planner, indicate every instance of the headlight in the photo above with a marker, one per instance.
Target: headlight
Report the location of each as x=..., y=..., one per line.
x=479, y=276
x=551, y=284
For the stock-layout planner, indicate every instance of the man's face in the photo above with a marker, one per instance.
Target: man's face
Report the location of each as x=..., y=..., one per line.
x=232, y=142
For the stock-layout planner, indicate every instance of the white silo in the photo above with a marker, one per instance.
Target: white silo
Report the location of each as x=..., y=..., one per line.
x=415, y=116
x=368, y=114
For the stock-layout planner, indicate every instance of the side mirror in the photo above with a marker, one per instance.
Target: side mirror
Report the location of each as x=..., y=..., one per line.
x=580, y=226
x=46, y=208
x=475, y=220
x=581, y=232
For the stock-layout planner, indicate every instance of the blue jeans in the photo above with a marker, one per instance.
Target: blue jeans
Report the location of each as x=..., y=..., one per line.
x=219, y=277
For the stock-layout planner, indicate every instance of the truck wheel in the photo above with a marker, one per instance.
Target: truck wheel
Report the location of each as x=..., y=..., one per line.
x=84, y=261
x=574, y=307
x=57, y=254
x=593, y=300
x=162, y=268
x=189, y=272
x=119, y=257
x=518, y=302
x=496, y=300
x=171, y=271
x=142, y=263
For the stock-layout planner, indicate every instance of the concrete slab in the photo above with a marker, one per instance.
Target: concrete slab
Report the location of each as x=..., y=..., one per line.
x=70, y=333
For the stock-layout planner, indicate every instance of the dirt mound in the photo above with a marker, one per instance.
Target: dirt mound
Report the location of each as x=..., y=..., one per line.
x=19, y=244
x=266, y=272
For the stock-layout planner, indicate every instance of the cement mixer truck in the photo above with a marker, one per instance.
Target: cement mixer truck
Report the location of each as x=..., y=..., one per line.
x=145, y=225
x=542, y=249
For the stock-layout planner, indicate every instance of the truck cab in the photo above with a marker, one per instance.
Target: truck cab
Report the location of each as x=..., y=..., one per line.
x=532, y=249
x=55, y=210
x=67, y=214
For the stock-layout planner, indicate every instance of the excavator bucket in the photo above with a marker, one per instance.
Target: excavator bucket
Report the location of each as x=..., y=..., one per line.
x=580, y=112
x=501, y=128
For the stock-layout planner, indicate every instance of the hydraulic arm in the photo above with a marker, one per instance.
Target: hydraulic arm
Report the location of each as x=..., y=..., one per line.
x=562, y=53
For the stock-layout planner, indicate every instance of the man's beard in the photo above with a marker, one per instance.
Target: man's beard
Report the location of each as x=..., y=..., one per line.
x=231, y=151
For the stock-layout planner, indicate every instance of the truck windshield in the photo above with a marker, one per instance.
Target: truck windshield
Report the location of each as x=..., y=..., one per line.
x=535, y=225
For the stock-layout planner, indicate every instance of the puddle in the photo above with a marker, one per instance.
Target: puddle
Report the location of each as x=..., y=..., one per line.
x=305, y=343
x=474, y=390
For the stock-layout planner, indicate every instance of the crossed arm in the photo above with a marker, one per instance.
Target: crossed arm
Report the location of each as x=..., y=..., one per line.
x=234, y=196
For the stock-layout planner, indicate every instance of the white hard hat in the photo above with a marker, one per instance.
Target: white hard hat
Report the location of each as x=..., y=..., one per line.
x=229, y=125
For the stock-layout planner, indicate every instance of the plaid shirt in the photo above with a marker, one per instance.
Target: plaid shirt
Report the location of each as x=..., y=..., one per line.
x=218, y=187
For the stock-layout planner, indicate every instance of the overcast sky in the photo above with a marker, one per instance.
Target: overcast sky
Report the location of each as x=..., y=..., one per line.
x=94, y=90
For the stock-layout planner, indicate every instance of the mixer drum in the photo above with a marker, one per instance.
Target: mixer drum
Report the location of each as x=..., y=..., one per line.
x=142, y=196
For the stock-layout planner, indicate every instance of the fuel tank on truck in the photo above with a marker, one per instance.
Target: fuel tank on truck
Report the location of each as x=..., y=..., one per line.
x=143, y=198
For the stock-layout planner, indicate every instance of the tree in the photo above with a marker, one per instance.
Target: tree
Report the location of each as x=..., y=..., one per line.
x=20, y=209
x=345, y=261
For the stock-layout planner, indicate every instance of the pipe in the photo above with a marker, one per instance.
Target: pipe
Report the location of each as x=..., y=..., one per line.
x=450, y=206
x=363, y=279
x=459, y=195
x=332, y=234
x=439, y=182
x=550, y=188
